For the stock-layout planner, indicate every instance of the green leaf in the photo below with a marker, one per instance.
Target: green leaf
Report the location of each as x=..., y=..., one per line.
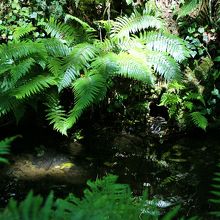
x=199, y=120
x=217, y=59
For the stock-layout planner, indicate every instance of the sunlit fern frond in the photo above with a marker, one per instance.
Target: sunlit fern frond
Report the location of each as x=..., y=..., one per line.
x=164, y=42
x=82, y=54
x=164, y=65
x=124, y=26
x=128, y=43
x=175, y=86
x=199, y=120
x=33, y=86
x=135, y=67
x=60, y=31
x=106, y=64
x=169, y=99
x=20, y=32
x=79, y=58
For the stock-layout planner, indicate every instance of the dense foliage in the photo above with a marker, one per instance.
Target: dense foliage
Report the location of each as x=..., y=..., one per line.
x=120, y=62
x=73, y=57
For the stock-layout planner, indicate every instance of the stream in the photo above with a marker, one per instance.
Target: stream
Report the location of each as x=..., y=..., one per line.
x=179, y=170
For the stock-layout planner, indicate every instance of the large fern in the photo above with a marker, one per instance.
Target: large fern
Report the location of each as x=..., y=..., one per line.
x=73, y=58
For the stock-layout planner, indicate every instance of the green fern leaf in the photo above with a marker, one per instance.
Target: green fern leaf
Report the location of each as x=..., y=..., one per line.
x=55, y=65
x=21, y=69
x=18, y=50
x=7, y=103
x=79, y=58
x=33, y=86
x=60, y=30
x=88, y=89
x=196, y=96
x=4, y=148
x=55, y=47
x=22, y=31
x=169, y=99
x=88, y=29
x=132, y=66
x=56, y=114
x=124, y=26
x=163, y=42
x=215, y=198
x=199, y=120
x=165, y=65
x=106, y=64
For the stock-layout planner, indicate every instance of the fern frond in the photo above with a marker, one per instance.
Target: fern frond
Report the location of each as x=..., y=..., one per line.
x=7, y=103
x=127, y=43
x=164, y=42
x=124, y=26
x=60, y=30
x=55, y=47
x=87, y=28
x=55, y=65
x=79, y=58
x=87, y=90
x=4, y=148
x=82, y=54
x=165, y=65
x=106, y=64
x=22, y=31
x=199, y=120
x=56, y=114
x=215, y=198
x=195, y=96
x=32, y=208
x=135, y=67
x=20, y=70
x=33, y=86
x=175, y=86
x=68, y=77
x=169, y=99
x=18, y=50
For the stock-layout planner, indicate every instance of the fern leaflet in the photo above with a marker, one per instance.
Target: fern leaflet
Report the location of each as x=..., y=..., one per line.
x=34, y=86
x=199, y=120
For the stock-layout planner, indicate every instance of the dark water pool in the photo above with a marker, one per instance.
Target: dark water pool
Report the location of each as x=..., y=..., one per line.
x=178, y=171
